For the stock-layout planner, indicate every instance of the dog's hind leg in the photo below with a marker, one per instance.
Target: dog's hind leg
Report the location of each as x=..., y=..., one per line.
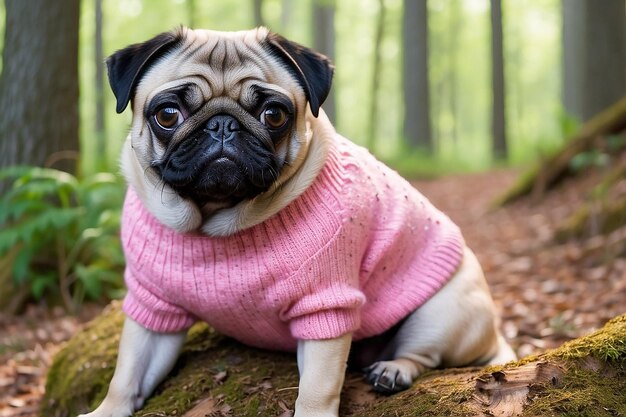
x=456, y=327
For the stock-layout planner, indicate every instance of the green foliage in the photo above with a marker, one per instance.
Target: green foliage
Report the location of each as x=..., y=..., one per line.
x=589, y=159
x=600, y=156
x=62, y=233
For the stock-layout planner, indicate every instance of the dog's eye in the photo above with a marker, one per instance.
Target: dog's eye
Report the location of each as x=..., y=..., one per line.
x=168, y=117
x=274, y=117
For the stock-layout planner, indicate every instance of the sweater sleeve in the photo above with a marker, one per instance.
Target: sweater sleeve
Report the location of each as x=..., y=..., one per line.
x=151, y=311
x=330, y=306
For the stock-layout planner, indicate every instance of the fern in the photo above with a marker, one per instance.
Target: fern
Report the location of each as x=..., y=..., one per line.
x=65, y=230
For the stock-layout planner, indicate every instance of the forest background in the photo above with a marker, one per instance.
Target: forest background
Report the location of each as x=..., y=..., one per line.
x=367, y=37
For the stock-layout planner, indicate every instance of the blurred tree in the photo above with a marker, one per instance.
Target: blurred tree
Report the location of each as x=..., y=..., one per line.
x=101, y=147
x=39, y=84
x=258, y=12
x=372, y=119
x=324, y=42
x=191, y=10
x=594, y=55
x=455, y=21
x=498, y=123
x=286, y=13
x=417, y=128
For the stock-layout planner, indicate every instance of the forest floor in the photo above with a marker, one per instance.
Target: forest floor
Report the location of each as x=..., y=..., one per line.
x=547, y=293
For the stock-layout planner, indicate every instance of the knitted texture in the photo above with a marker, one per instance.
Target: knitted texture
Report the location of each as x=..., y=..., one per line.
x=357, y=252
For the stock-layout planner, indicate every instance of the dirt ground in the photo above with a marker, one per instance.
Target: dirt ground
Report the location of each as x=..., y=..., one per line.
x=547, y=293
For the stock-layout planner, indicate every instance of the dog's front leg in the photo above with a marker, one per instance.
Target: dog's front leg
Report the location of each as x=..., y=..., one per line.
x=144, y=358
x=322, y=365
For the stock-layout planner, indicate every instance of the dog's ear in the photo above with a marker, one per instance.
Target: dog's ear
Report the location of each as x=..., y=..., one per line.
x=126, y=66
x=313, y=70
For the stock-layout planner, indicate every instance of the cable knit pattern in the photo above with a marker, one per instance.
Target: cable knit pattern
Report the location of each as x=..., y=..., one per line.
x=357, y=252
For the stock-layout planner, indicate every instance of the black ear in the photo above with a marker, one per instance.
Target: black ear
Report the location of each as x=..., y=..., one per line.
x=127, y=65
x=313, y=70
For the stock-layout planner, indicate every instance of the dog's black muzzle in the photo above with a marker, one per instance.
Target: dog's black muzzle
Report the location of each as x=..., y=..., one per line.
x=221, y=161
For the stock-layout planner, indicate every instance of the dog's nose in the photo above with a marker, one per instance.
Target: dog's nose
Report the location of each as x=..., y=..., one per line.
x=222, y=127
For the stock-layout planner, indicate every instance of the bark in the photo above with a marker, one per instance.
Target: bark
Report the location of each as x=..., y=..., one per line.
x=550, y=172
x=191, y=12
x=39, y=84
x=372, y=119
x=101, y=148
x=594, y=55
x=219, y=377
x=258, y=13
x=286, y=13
x=498, y=118
x=324, y=42
x=456, y=22
x=417, y=125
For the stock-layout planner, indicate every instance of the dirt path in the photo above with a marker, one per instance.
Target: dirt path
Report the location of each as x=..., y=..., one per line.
x=546, y=293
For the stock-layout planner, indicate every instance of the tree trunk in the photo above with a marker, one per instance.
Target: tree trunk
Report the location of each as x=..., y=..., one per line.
x=191, y=13
x=39, y=84
x=286, y=13
x=455, y=23
x=417, y=127
x=324, y=42
x=372, y=119
x=594, y=55
x=258, y=12
x=101, y=147
x=218, y=376
x=498, y=126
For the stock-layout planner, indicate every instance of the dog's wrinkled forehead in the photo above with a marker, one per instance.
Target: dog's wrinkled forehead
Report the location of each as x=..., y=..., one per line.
x=219, y=64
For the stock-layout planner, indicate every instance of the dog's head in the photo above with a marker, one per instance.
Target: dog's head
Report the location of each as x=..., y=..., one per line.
x=217, y=116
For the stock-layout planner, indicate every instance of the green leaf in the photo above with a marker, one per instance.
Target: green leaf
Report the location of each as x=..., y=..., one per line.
x=9, y=238
x=88, y=277
x=33, y=190
x=15, y=171
x=102, y=179
x=41, y=283
x=11, y=211
x=50, y=222
x=21, y=264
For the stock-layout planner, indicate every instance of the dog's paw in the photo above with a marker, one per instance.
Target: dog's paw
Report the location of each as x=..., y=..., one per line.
x=106, y=410
x=389, y=377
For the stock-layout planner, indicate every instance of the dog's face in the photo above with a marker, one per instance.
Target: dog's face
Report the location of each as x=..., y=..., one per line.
x=217, y=117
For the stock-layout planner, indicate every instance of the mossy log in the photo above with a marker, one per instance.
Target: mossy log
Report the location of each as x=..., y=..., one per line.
x=603, y=213
x=550, y=171
x=217, y=376
x=593, y=219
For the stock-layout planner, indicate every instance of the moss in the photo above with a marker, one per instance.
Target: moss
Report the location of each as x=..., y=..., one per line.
x=437, y=393
x=251, y=384
x=587, y=221
x=608, y=345
x=242, y=381
x=582, y=392
x=522, y=187
x=80, y=373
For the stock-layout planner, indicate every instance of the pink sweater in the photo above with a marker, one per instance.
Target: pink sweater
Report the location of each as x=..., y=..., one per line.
x=357, y=252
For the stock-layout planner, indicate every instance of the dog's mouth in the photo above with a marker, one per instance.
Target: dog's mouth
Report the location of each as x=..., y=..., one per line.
x=224, y=173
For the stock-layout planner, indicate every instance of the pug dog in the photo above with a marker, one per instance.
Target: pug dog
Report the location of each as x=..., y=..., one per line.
x=247, y=210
